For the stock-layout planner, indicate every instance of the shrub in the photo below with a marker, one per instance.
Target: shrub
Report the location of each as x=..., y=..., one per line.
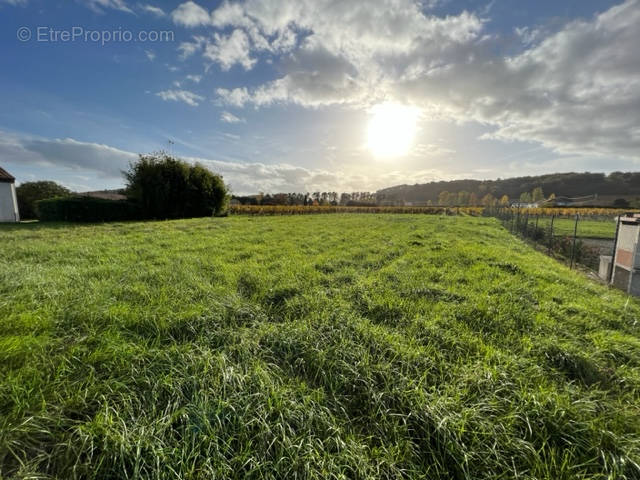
x=30, y=192
x=166, y=187
x=86, y=209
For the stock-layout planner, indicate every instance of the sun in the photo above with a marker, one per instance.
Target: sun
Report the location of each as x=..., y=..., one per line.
x=391, y=129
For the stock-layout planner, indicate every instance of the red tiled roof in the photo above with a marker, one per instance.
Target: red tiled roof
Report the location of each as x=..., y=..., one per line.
x=6, y=176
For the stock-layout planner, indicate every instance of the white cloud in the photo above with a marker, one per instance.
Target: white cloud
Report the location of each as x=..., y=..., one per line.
x=227, y=50
x=20, y=3
x=185, y=96
x=97, y=161
x=151, y=55
x=100, y=6
x=152, y=9
x=190, y=14
x=229, y=117
x=194, y=78
x=576, y=91
x=236, y=97
x=67, y=153
x=187, y=49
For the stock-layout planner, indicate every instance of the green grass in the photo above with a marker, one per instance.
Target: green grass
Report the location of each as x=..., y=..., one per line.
x=329, y=346
x=591, y=228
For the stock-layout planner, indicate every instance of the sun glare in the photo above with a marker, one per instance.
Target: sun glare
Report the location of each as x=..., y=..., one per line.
x=391, y=129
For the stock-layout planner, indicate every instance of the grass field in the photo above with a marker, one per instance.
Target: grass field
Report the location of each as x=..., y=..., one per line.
x=328, y=346
x=591, y=228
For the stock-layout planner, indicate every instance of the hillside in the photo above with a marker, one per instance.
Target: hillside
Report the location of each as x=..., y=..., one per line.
x=607, y=187
x=315, y=347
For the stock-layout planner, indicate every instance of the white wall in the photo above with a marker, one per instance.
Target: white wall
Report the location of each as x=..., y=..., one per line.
x=8, y=203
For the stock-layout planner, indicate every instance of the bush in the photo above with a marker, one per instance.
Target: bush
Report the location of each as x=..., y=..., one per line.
x=86, y=209
x=166, y=187
x=31, y=192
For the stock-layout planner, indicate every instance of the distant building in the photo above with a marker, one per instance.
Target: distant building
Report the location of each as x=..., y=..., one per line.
x=8, y=199
x=524, y=205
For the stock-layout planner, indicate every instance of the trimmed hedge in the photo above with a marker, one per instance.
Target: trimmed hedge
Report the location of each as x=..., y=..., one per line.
x=86, y=209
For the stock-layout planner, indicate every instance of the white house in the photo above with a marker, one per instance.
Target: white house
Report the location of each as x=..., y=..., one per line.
x=8, y=199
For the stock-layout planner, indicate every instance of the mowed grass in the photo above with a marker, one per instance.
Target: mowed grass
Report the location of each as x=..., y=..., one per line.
x=329, y=346
x=587, y=227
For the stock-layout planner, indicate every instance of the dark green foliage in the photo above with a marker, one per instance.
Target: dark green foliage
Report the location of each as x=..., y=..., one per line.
x=621, y=203
x=569, y=184
x=30, y=192
x=86, y=209
x=166, y=187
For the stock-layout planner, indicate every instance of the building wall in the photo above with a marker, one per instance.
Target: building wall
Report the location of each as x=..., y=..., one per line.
x=8, y=203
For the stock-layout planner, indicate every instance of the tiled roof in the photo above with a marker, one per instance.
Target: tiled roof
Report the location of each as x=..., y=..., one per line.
x=6, y=176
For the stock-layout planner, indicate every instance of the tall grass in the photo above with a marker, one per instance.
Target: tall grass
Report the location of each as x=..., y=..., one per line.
x=328, y=346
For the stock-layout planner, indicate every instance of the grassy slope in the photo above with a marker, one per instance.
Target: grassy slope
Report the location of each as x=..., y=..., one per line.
x=331, y=346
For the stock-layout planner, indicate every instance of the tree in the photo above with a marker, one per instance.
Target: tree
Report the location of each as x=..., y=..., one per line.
x=488, y=200
x=30, y=192
x=537, y=194
x=621, y=203
x=525, y=197
x=443, y=198
x=504, y=200
x=166, y=187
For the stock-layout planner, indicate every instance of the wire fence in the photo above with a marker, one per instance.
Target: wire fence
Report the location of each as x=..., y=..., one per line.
x=573, y=238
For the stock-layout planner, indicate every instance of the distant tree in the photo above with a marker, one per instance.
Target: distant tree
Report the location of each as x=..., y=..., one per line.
x=525, y=197
x=463, y=198
x=166, y=187
x=473, y=199
x=30, y=192
x=537, y=194
x=621, y=203
x=443, y=198
x=488, y=200
x=504, y=200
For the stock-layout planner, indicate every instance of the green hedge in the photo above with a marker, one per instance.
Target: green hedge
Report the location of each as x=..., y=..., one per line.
x=86, y=209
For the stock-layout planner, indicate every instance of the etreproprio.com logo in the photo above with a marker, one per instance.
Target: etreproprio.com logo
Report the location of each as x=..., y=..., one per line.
x=44, y=34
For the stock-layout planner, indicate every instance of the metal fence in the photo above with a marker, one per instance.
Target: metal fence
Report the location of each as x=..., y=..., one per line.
x=576, y=239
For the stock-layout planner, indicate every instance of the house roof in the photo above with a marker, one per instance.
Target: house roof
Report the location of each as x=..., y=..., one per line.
x=5, y=176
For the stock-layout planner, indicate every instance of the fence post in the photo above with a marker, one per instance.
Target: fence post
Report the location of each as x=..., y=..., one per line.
x=613, y=253
x=573, y=246
x=553, y=217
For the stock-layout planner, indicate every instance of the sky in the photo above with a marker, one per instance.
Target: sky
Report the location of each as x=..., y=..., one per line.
x=319, y=95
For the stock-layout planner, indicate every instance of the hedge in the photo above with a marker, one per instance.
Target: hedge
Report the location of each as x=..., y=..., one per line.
x=86, y=209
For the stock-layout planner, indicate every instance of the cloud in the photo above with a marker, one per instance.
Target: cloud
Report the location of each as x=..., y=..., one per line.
x=351, y=53
x=89, y=161
x=67, y=153
x=236, y=97
x=228, y=117
x=194, y=78
x=227, y=50
x=187, y=49
x=185, y=96
x=151, y=55
x=99, y=6
x=576, y=91
x=190, y=14
x=152, y=9
x=21, y=3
